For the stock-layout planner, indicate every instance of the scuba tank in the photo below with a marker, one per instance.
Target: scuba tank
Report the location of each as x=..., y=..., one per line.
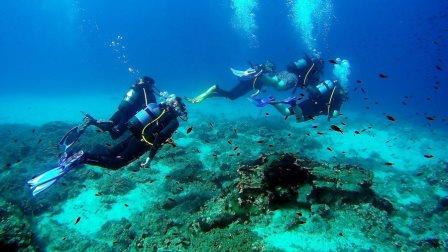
x=144, y=117
x=323, y=88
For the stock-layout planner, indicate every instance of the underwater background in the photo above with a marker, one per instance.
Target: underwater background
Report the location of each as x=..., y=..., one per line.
x=380, y=186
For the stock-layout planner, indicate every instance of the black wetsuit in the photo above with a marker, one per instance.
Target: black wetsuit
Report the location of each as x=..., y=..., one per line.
x=138, y=96
x=243, y=87
x=133, y=147
x=317, y=104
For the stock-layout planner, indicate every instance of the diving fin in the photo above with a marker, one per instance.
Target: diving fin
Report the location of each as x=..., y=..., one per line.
x=46, y=179
x=38, y=189
x=70, y=137
x=241, y=74
x=75, y=133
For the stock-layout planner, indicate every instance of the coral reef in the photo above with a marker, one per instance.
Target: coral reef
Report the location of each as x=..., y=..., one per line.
x=245, y=185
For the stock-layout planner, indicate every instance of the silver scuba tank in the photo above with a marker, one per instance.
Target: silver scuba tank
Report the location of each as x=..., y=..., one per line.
x=324, y=87
x=143, y=117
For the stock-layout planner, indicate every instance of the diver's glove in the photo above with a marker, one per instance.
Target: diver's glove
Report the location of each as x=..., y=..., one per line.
x=263, y=101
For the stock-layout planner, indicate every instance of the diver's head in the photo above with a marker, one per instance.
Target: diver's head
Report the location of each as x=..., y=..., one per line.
x=146, y=80
x=176, y=104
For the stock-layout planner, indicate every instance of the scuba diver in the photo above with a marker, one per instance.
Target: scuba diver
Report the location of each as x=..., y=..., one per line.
x=324, y=98
x=137, y=97
x=148, y=129
x=254, y=78
x=258, y=77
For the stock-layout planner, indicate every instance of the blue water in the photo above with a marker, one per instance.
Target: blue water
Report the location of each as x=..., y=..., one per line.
x=59, y=46
x=62, y=56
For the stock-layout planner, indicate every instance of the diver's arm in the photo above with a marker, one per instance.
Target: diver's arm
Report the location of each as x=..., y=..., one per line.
x=282, y=108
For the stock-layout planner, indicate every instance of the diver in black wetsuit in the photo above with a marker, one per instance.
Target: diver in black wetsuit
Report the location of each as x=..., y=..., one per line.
x=326, y=98
x=138, y=97
x=151, y=128
x=253, y=78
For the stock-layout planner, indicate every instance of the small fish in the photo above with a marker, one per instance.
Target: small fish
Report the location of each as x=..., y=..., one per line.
x=289, y=134
x=260, y=141
x=430, y=118
x=357, y=132
x=359, y=81
x=439, y=68
x=267, y=114
x=336, y=128
x=428, y=156
x=389, y=164
x=319, y=133
x=286, y=117
x=390, y=118
x=211, y=124
x=126, y=205
x=383, y=76
x=329, y=148
x=40, y=141
x=236, y=148
x=332, y=61
x=34, y=131
x=271, y=145
x=343, y=123
x=229, y=142
x=238, y=154
x=108, y=145
x=189, y=130
x=215, y=155
x=315, y=126
x=363, y=90
x=234, y=131
x=207, y=141
x=15, y=140
x=8, y=165
x=77, y=220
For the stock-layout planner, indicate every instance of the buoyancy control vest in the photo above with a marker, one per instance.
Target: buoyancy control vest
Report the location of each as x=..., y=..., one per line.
x=151, y=113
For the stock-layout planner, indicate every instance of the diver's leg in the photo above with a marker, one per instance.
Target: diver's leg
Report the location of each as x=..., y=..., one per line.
x=119, y=156
x=237, y=91
x=210, y=92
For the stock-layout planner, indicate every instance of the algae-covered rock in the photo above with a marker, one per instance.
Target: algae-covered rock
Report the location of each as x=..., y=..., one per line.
x=236, y=237
x=119, y=233
x=15, y=230
x=112, y=185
